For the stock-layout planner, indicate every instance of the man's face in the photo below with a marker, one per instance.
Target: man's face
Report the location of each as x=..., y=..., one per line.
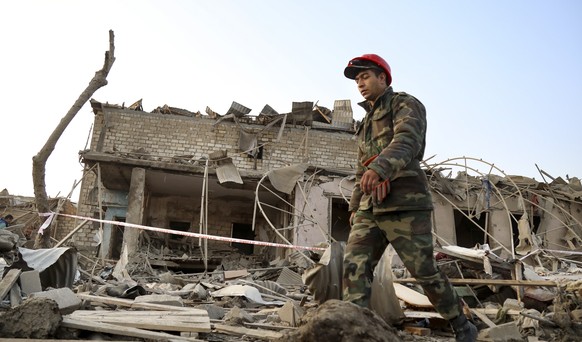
x=370, y=85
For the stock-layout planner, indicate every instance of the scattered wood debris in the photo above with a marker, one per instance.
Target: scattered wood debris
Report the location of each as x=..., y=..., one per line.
x=244, y=304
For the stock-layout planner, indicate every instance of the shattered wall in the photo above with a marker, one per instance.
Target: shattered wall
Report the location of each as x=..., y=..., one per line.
x=517, y=216
x=160, y=136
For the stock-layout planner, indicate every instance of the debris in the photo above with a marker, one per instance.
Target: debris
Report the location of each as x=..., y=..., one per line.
x=237, y=316
x=160, y=299
x=235, y=274
x=8, y=281
x=412, y=297
x=290, y=313
x=182, y=321
x=214, y=311
x=65, y=298
x=35, y=318
x=289, y=277
x=249, y=292
x=505, y=333
x=255, y=333
x=121, y=330
x=336, y=320
x=30, y=282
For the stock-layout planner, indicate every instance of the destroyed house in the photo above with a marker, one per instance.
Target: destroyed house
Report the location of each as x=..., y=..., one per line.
x=231, y=175
x=287, y=178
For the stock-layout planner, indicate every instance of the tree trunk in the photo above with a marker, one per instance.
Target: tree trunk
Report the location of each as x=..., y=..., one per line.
x=39, y=160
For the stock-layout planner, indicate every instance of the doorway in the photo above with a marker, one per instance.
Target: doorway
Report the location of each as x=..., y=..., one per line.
x=243, y=231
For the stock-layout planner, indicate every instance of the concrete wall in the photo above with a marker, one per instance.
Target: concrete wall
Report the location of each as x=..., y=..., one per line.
x=315, y=228
x=443, y=221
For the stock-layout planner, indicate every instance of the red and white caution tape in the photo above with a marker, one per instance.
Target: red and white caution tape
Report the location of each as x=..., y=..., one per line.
x=177, y=232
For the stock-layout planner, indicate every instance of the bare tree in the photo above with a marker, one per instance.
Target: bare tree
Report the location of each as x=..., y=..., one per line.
x=39, y=160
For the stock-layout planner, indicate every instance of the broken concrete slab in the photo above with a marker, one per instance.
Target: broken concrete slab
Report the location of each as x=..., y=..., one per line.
x=30, y=282
x=505, y=333
x=237, y=316
x=65, y=298
x=160, y=299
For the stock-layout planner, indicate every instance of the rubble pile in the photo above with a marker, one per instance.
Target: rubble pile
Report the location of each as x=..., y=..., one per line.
x=273, y=303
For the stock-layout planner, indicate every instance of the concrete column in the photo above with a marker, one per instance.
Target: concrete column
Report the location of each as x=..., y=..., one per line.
x=135, y=209
x=444, y=222
x=500, y=229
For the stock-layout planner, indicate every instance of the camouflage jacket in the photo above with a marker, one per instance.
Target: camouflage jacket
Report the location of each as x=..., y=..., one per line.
x=395, y=129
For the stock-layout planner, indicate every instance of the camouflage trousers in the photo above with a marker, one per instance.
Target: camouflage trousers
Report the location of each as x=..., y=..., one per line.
x=409, y=232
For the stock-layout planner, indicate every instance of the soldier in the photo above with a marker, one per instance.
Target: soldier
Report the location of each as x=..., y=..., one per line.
x=391, y=202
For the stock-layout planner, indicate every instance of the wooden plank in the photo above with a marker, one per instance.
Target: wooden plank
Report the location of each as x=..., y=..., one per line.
x=130, y=304
x=191, y=324
x=240, y=331
x=422, y=314
x=120, y=330
x=483, y=317
x=8, y=281
x=93, y=277
x=125, y=313
x=508, y=282
x=324, y=116
x=412, y=297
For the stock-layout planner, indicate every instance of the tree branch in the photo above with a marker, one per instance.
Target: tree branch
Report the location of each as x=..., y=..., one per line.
x=39, y=160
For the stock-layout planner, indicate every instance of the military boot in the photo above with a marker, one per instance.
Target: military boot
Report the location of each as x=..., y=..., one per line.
x=464, y=330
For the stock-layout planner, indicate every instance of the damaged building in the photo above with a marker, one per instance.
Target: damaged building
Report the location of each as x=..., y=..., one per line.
x=286, y=178
x=242, y=211
x=230, y=175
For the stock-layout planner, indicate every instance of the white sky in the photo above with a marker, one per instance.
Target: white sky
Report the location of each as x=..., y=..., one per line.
x=501, y=80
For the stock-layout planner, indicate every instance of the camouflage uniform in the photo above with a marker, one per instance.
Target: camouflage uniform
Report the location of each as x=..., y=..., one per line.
x=394, y=130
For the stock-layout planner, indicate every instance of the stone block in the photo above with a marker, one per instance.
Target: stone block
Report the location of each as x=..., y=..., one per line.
x=30, y=282
x=505, y=333
x=237, y=315
x=65, y=298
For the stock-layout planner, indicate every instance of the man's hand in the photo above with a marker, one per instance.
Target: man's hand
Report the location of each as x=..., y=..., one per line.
x=369, y=181
x=371, y=184
x=380, y=192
